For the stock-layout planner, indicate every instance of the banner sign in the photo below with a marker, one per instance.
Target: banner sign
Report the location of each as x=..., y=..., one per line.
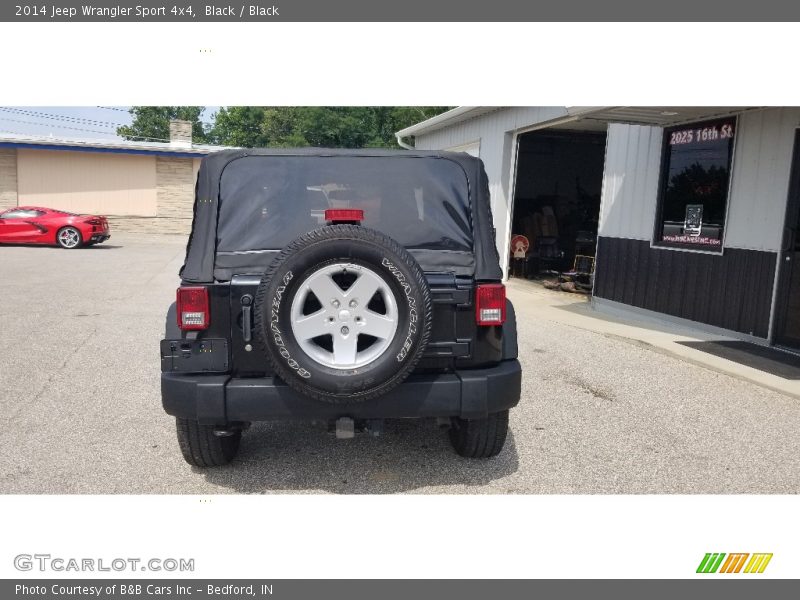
x=406, y=11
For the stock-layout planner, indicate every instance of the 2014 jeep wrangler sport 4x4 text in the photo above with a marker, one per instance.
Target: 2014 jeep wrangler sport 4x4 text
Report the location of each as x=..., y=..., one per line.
x=340, y=286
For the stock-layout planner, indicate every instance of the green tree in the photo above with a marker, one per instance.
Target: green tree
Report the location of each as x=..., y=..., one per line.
x=151, y=123
x=325, y=126
x=239, y=126
x=696, y=184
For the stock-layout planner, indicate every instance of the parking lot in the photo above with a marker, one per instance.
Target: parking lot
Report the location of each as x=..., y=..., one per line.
x=81, y=412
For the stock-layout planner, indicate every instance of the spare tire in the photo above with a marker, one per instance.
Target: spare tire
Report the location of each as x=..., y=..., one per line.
x=343, y=314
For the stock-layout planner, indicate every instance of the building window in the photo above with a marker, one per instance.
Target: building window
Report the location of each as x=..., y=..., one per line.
x=695, y=176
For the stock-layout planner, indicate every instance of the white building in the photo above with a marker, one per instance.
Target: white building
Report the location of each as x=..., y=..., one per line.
x=691, y=211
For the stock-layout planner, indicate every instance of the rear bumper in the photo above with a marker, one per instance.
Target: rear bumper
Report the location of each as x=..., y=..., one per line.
x=219, y=399
x=99, y=238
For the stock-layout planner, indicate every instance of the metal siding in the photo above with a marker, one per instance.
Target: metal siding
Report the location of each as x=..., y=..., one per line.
x=495, y=132
x=630, y=181
x=731, y=290
x=760, y=179
x=473, y=149
x=759, y=182
x=107, y=184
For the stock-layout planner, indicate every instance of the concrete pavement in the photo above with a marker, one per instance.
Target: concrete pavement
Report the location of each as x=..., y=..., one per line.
x=600, y=413
x=637, y=327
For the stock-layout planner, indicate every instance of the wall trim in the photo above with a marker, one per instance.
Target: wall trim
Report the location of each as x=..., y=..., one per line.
x=64, y=148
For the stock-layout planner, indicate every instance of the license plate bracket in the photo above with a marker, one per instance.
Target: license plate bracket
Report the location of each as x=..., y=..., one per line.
x=195, y=356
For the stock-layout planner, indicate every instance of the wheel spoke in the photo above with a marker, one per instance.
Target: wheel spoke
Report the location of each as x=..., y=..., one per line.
x=344, y=348
x=344, y=316
x=364, y=288
x=311, y=326
x=69, y=238
x=325, y=289
x=379, y=326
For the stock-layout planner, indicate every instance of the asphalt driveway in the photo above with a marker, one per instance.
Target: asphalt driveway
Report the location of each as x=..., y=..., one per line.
x=80, y=405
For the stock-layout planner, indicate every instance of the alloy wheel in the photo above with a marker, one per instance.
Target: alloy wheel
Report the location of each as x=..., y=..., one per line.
x=344, y=316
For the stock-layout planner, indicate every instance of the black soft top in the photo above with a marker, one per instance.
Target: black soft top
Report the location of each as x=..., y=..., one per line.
x=207, y=259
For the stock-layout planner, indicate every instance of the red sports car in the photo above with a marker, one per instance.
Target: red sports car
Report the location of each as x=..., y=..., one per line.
x=34, y=225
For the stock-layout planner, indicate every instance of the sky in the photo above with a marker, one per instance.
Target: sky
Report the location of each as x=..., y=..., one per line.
x=81, y=122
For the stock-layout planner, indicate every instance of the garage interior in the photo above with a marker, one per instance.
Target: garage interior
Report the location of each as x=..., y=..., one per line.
x=559, y=177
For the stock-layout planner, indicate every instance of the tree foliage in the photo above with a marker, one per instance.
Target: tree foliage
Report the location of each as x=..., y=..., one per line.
x=151, y=123
x=324, y=126
x=282, y=126
x=696, y=184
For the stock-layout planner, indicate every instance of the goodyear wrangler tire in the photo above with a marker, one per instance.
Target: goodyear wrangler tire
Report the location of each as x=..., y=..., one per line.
x=343, y=314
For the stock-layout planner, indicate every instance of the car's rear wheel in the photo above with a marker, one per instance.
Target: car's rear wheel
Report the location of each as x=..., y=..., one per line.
x=202, y=446
x=480, y=438
x=69, y=238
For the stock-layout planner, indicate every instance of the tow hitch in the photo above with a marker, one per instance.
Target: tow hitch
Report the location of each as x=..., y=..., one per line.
x=345, y=428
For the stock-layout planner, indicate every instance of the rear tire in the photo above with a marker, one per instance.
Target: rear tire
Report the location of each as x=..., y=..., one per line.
x=480, y=438
x=201, y=448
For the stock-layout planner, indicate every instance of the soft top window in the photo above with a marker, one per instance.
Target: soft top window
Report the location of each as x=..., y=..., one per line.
x=265, y=202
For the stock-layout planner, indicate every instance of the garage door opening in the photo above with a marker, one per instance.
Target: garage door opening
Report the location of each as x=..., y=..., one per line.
x=559, y=176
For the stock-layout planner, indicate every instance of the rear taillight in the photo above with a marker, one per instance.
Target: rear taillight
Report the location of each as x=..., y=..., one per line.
x=192, y=304
x=490, y=304
x=94, y=221
x=344, y=215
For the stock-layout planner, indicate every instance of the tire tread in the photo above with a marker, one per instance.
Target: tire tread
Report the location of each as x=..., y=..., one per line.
x=480, y=438
x=201, y=448
x=320, y=236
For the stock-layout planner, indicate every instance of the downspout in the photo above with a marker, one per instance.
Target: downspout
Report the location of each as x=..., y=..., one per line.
x=401, y=143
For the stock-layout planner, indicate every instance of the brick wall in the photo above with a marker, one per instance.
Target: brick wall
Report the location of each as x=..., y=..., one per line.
x=175, y=189
x=8, y=178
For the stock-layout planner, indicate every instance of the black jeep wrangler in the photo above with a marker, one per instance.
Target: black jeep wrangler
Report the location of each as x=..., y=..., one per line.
x=340, y=286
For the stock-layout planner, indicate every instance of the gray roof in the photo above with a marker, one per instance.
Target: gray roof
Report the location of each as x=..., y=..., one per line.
x=110, y=145
x=646, y=115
